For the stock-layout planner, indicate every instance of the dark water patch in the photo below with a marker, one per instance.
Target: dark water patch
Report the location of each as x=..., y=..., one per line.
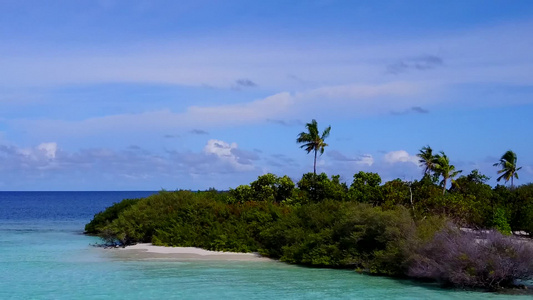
x=59, y=206
x=29, y=230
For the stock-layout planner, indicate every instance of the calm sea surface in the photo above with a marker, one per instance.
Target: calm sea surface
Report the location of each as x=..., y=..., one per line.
x=44, y=255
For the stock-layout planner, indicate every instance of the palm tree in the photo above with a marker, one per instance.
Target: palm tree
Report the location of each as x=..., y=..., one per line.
x=312, y=140
x=508, y=164
x=427, y=160
x=443, y=168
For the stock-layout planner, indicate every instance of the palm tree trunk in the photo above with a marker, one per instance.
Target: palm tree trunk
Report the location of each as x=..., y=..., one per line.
x=314, y=166
x=411, y=199
x=444, y=186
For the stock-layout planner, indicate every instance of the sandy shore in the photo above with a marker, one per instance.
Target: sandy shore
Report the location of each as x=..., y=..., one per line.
x=151, y=252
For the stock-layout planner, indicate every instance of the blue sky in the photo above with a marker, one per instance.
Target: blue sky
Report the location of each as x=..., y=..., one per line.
x=145, y=95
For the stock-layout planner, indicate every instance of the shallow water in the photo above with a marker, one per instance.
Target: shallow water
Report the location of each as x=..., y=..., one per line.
x=43, y=255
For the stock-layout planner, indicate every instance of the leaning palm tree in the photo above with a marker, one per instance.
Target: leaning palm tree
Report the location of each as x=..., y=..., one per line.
x=427, y=160
x=509, y=169
x=443, y=168
x=312, y=140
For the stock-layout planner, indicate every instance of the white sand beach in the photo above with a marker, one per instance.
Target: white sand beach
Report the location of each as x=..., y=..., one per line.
x=146, y=251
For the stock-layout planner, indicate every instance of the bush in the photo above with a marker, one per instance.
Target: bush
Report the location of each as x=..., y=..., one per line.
x=190, y=219
x=366, y=188
x=522, y=204
x=500, y=221
x=464, y=259
x=105, y=217
x=267, y=187
x=343, y=234
x=368, y=227
x=316, y=188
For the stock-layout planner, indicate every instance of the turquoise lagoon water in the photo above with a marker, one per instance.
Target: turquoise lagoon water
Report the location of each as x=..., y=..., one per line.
x=44, y=255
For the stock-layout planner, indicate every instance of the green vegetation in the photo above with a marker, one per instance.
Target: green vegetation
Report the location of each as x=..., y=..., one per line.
x=312, y=140
x=392, y=229
x=102, y=219
x=401, y=229
x=509, y=169
x=443, y=168
x=427, y=159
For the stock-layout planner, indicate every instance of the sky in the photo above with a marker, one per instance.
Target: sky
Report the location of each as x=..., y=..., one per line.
x=151, y=95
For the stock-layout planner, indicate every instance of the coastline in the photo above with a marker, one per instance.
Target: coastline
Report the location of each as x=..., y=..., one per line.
x=147, y=251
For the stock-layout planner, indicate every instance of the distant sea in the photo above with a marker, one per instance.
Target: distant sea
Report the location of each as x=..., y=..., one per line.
x=44, y=255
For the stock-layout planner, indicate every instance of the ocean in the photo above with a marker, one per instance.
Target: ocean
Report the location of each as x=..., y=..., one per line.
x=44, y=255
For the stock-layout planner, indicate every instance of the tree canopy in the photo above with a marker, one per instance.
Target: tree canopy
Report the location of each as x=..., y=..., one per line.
x=312, y=140
x=427, y=159
x=508, y=167
x=442, y=167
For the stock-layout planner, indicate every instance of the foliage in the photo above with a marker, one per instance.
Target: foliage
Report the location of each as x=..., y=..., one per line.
x=268, y=187
x=343, y=234
x=386, y=229
x=365, y=188
x=396, y=192
x=522, y=208
x=464, y=259
x=185, y=218
x=105, y=217
x=477, y=196
x=508, y=167
x=442, y=167
x=312, y=140
x=499, y=221
x=315, y=188
x=427, y=160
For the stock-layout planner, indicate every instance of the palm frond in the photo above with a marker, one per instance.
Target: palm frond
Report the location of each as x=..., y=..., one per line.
x=508, y=166
x=325, y=134
x=312, y=140
x=500, y=178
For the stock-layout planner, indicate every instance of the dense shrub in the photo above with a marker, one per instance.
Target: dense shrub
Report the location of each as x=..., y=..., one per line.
x=193, y=219
x=103, y=218
x=477, y=199
x=366, y=188
x=499, y=221
x=316, y=188
x=268, y=187
x=380, y=229
x=396, y=192
x=465, y=259
x=343, y=234
x=522, y=207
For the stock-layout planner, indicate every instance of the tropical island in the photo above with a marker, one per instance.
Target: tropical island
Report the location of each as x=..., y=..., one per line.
x=455, y=230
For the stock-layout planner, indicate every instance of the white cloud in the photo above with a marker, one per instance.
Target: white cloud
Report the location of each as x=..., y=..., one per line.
x=219, y=148
x=39, y=154
x=45, y=167
x=216, y=157
x=49, y=149
x=400, y=156
x=395, y=164
x=344, y=81
x=225, y=153
x=347, y=101
x=366, y=159
x=273, y=106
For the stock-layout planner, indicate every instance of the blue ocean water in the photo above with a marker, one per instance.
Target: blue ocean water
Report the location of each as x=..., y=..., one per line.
x=44, y=255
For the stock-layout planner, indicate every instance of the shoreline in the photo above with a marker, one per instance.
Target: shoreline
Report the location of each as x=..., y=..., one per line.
x=147, y=251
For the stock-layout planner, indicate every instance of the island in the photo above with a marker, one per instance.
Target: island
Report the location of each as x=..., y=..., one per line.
x=469, y=236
